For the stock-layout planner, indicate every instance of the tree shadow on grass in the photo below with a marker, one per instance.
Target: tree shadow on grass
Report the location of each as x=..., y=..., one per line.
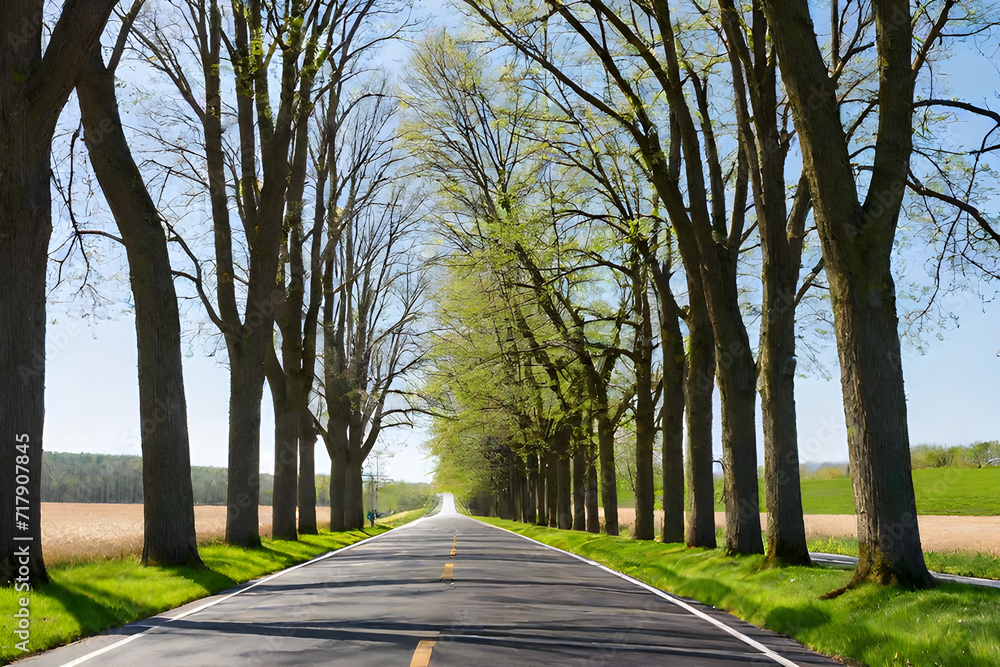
x=95, y=607
x=792, y=621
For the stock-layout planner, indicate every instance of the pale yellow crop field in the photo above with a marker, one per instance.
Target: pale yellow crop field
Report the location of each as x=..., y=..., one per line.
x=85, y=531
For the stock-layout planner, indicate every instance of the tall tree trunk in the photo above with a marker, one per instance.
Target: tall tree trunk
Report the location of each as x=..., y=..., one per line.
x=857, y=241
x=698, y=388
x=338, y=484
x=875, y=407
x=527, y=494
x=168, y=498
x=552, y=489
x=286, y=437
x=33, y=90
x=738, y=396
x=579, y=487
x=515, y=490
x=592, y=500
x=307, y=477
x=25, y=226
x=672, y=428
x=781, y=252
x=243, y=492
x=565, y=477
x=541, y=493
x=354, y=505
x=534, y=493
x=786, y=535
x=609, y=476
x=645, y=411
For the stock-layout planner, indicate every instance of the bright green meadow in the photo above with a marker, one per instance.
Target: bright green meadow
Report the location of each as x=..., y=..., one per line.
x=953, y=625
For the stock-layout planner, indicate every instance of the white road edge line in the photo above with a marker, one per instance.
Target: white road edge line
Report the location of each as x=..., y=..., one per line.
x=94, y=654
x=781, y=660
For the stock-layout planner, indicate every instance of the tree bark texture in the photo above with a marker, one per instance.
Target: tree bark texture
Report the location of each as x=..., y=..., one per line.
x=168, y=498
x=645, y=413
x=33, y=89
x=534, y=494
x=246, y=388
x=857, y=242
x=552, y=489
x=565, y=481
x=698, y=388
x=541, y=493
x=354, y=509
x=672, y=429
x=609, y=476
x=338, y=483
x=593, y=502
x=755, y=84
x=286, y=441
x=579, y=488
x=307, y=478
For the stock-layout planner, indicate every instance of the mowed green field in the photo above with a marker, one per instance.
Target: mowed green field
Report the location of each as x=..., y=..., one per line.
x=943, y=491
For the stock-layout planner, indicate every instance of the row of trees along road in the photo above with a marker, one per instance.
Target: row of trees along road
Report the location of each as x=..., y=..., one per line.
x=267, y=188
x=592, y=154
x=612, y=183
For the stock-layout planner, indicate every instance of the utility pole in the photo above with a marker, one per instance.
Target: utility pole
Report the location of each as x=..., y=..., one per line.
x=374, y=479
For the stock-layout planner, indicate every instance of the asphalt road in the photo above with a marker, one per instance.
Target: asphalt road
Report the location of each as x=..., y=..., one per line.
x=445, y=590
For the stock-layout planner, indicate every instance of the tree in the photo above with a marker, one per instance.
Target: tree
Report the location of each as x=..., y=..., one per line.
x=33, y=89
x=765, y=147
x=372, y=290
x=168, y=499
x=334, y=57
x=264, y=129
x=697, y=212
x=857, y=238
x=476, y=141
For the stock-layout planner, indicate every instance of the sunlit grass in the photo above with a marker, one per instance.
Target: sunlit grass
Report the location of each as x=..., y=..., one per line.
x=952, y=625
x=85, y=598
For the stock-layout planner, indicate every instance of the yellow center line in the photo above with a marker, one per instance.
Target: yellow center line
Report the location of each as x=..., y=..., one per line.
x=454, y=545
x=447, y=571
x=422, y=656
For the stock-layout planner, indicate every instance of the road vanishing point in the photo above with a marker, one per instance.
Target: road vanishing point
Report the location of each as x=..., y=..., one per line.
x=443, y=590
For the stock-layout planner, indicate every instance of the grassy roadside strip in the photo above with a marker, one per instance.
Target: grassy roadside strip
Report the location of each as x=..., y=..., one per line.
x=401, y=518
x=952, y=625
x=83, y=599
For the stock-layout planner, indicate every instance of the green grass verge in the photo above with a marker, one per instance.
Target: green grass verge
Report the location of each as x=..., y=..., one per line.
x=84, y=599
x=952, y=625
x=400, y=518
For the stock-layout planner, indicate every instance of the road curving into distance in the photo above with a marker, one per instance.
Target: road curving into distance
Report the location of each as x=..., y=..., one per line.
x=443, y=590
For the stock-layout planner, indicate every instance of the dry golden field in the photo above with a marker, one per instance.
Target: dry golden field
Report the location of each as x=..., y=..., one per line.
x=84, y=531
x=937, y=533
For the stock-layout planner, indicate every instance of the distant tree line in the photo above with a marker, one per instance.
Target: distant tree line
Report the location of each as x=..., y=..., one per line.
x=974, y=455
x=109, y=478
